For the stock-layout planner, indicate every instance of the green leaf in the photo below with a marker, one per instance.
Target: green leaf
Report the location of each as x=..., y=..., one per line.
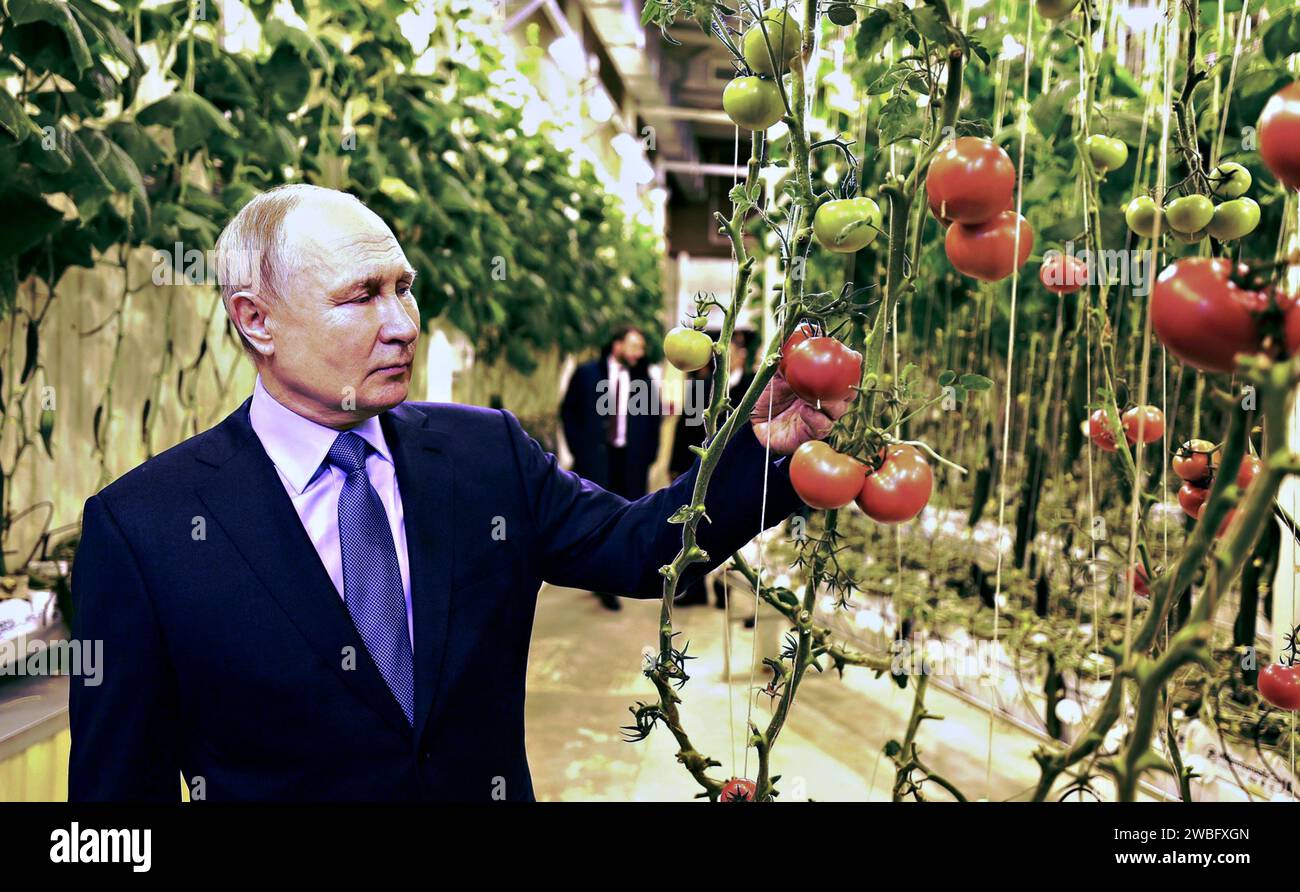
x=1282, y=36
x=947, y=378
x=191, y=117
x=58, y=14
x=13, y=120
x=975, y=382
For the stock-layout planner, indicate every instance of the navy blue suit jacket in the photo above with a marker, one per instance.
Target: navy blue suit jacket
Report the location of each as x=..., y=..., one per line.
x=225, y=640
x=584, y=427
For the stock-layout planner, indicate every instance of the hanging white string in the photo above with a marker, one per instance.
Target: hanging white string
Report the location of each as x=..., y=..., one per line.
x=1007, y=395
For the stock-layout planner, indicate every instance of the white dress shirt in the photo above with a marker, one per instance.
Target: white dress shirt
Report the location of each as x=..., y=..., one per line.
x=298, y=446
x=618, y=377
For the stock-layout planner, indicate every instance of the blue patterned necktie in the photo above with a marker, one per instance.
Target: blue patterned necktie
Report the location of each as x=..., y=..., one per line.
x=372, y=579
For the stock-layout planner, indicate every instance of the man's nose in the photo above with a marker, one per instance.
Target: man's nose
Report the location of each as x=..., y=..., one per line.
x=397, y=323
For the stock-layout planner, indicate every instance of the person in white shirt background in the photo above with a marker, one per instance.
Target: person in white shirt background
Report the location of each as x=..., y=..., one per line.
x=611, y=421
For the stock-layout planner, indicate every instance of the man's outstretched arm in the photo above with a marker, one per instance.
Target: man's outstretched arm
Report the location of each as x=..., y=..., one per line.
x=592, y=539
x=124, y=729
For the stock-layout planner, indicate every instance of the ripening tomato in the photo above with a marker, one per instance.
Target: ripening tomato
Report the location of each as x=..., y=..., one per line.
x=802, y=332
x=1062, y=273
x=897, y=490
x=1293, y=330
x=987, y=251
x=823, y=369
x=1140, y=581
x=970, y=180
x=824, y=478
x=1201, y=316
x=738, y=789
x=1248, y=471
x=1196, y=460
x=1280, y=685
x=1279, y=135
x=1100, y=431
x=1191, y=498
x=1146, y=420
x=688, y=349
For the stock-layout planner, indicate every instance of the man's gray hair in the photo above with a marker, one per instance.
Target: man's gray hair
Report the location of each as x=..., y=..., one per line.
x=250, y=253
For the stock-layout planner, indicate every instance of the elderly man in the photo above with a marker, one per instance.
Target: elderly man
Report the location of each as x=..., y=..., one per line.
x=329, y=595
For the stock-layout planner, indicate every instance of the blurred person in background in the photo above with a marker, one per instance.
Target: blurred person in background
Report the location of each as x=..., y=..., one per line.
x=689, y=431
x=612, y=446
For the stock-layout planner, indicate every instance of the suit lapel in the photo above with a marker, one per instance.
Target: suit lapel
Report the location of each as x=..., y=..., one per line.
x=249, y=503
x=426, y=479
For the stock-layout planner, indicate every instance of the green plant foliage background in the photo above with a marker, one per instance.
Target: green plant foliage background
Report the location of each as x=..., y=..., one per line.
x=513, y=247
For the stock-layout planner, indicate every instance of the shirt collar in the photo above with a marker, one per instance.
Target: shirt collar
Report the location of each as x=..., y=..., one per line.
x=297, y=445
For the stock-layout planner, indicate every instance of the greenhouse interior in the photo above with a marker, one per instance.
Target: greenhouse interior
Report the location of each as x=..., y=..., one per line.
x=810, y=401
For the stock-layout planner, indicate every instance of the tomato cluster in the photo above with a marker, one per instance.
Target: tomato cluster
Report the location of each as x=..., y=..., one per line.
x=753, y=101
x=894, y=492
x=1141, y=424
x=1190, y=218
x=1196, y=463
x=970, y=187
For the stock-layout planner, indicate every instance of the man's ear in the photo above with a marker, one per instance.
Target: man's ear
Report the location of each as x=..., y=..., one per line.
x=249, y=312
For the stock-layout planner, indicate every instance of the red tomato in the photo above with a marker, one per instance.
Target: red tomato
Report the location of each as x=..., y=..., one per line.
x=970, y=180
x=1227, y=522
x=1191, y=498
x=1100, y=432
x=1279, y=135
x=738, y=789
x=1280, y=685
x=987, y=251
x=1201, y=316
x=1196, y=460
x=802, y=332
x=1141, y=582
x=824, y=478
x=1063, y=273
x=899, y=488
x=1293, y=330
x=937, y=212
x=823, y=369
x=1249, y=470
x=1150, y=421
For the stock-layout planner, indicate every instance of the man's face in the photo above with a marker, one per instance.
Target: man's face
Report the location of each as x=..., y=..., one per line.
x=345, y=327
x=631, y=349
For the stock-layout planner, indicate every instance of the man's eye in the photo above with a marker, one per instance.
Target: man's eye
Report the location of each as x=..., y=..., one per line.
x=363, y=299
x=404, y=288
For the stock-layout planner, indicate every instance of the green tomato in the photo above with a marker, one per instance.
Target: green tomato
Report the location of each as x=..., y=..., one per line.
x=1190, y=238
x=699, y=323
x=688, y=349
x=1234, y=219
x=1106, y=152
x=1189, y=214
x=845, y=225
x=753, y=103
x=1056, y=9
x=1140, y=215
x=783, y=36
x=1229, y=180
